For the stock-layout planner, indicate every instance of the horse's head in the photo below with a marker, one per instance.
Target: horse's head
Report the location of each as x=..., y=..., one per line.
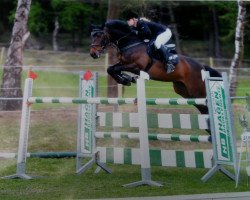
x=115, y=32
x=99, y=41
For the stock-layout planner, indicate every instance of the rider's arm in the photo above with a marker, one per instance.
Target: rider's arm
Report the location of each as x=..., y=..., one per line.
x=142, y=30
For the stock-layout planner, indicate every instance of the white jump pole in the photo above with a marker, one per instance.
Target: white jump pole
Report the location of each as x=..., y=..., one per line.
x=143, y=131
x=24, y=132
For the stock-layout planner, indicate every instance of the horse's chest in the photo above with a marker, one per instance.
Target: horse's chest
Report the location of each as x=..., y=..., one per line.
x=124, y=59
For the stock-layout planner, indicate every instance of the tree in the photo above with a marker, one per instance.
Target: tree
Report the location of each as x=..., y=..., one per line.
x=175, y=29
x=215, y=33
x=11, y=82
x=74, y=17
x=113, y=13
x=239, y=47
x=38, y=19
x=55, y=33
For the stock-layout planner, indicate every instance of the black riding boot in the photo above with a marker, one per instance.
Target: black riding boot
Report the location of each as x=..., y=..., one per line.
x=164, y=53
x=168, y=59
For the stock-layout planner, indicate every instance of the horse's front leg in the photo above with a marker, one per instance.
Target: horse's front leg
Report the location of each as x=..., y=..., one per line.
x=116, y=72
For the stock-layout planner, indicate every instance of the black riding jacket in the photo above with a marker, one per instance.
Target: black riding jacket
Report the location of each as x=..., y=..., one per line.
x=148, y=30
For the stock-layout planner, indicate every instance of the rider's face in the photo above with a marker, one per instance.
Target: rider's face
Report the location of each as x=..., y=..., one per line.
x=131, y=22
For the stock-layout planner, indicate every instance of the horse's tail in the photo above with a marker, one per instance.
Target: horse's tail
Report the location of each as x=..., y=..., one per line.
x=213, y=72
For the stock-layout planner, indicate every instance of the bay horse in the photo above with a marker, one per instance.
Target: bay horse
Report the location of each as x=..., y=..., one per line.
x=133, y=57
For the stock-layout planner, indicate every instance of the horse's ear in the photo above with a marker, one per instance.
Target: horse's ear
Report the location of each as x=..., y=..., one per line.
x=92, y=27
x=96, y=27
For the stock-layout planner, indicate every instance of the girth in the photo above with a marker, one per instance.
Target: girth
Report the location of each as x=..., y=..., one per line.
x=149, y=65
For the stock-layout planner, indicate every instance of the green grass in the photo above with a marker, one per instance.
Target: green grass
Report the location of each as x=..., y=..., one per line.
x=243, y=87
x=59, y=181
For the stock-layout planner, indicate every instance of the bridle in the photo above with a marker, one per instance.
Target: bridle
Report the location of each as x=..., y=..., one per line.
x=106, y=41
x=103, y=44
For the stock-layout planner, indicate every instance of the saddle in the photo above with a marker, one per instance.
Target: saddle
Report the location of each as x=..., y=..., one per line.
x=171, y=55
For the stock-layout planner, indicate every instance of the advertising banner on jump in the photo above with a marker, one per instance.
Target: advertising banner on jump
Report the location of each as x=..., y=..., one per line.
x=222, y=123
x=87, y=91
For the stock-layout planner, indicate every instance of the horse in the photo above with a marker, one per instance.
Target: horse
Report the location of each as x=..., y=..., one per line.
x=133, y=57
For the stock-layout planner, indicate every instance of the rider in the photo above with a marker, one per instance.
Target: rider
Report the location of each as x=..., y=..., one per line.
x=153, y=31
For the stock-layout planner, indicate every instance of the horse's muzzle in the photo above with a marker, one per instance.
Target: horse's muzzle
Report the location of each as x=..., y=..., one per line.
x=95, y=55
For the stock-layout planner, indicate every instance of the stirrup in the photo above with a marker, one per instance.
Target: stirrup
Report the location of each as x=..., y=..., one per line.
x=170, y=67
x=174, y=59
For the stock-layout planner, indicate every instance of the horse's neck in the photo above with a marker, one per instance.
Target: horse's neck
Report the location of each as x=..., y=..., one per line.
x=124, y=40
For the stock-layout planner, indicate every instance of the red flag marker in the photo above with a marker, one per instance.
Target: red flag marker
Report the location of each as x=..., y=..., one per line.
x=32, y=75
x=87, y=76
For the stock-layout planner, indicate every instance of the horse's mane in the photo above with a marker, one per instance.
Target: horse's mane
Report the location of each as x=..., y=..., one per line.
x=117, y=25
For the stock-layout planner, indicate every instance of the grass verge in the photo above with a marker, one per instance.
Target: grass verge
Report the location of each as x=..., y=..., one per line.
x=59, y=181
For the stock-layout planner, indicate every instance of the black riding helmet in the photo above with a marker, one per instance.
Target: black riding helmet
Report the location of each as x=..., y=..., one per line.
x=130, y=14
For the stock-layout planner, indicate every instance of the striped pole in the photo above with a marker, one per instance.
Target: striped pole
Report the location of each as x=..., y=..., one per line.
x=155, y=120
x=158, y=157
x=119, y=101
x=153, y=136
x=96, y=100
x=131, y=156
x=176, y=101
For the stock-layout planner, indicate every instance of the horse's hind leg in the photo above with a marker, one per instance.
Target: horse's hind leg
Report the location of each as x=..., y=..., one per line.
x=202, y=109
x=181, y=89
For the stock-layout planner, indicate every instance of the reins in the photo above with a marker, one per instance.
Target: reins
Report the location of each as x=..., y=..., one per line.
x=107, y=42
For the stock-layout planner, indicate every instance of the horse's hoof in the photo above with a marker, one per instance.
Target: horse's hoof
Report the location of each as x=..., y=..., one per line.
x=127, y=83
x=134, y=78
x=135, y=101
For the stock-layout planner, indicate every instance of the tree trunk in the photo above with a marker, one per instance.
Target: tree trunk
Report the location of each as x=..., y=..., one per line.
x=216, y=42
x=11, y=82
x=175, y=30
x=55, y=33
x=113, y=13
x=239, y=48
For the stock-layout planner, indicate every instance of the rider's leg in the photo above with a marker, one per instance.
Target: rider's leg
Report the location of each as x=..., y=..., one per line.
x=170, y=59
x=162, y=39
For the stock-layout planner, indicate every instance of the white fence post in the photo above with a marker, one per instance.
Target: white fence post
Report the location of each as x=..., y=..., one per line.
x=24, y=132
x=143, y=131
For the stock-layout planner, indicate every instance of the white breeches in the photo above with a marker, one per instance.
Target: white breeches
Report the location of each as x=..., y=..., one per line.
x=163, y=38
